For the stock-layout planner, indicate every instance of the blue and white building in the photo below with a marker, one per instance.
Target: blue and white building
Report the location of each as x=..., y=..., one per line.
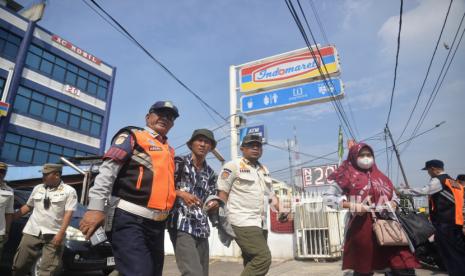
x=59, y=95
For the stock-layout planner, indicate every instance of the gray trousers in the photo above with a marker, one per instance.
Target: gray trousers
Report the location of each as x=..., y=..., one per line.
x=192, y=254
x=30, y=249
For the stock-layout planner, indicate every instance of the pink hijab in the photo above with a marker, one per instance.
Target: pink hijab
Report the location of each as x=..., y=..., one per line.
x=355, y=181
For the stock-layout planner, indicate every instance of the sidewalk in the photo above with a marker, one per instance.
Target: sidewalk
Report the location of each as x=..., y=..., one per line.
x=229, y=267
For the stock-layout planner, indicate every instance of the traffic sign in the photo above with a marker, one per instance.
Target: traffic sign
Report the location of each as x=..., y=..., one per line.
x=259, y=130
x=284, y=98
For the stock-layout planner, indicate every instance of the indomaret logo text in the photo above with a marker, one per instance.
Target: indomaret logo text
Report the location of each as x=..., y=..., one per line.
x=286, y=69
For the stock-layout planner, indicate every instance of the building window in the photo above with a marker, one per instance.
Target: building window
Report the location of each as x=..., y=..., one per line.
x=9, y=44
x=65, y=72
x=18, y=148
x=2, y=86
x=48, y=109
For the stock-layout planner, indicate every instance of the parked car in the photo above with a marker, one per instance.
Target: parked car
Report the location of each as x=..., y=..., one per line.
x=78, y=254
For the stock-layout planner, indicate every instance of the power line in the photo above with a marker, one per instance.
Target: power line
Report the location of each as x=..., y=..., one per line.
x=335, y=102
x=131, y=38
x=427, y=71
x=320, y=24
x=325, y=76
x=299, y=152
x=439, y=80
x=397, y=61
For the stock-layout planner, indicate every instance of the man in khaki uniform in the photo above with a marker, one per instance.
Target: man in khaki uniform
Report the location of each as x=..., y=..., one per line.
x=245, y=184
x=52, y=204
x=6, y=207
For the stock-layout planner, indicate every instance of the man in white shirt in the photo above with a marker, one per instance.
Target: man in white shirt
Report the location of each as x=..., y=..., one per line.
x=52, y=204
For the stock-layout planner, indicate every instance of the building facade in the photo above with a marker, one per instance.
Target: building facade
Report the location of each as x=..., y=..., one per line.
x=59, y=95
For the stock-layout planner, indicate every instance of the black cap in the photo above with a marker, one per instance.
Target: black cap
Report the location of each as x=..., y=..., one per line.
x=251, y=138
x=434, y=164
x=165, y=105
x=461, y=177
x=202, y=132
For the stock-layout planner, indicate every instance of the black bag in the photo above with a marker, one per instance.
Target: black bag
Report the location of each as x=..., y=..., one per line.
x=417, y=226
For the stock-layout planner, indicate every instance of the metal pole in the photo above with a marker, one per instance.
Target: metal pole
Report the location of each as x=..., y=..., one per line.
x=397, y=155
x=233, y=110
x=291, y=181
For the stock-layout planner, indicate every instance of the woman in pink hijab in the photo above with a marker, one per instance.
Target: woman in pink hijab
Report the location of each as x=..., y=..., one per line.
x=359, y=187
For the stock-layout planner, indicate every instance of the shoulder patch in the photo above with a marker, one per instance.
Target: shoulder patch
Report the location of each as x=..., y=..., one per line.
x=121, y=138
x=225, y=174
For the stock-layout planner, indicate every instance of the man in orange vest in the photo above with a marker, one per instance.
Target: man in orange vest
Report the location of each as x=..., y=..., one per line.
x=446, y=209
x=138, y=170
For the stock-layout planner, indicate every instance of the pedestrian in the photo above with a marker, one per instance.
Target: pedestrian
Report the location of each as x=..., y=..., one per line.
x=52, y=204
x=461, y=179
x=446, y=203
x=6, y=207
x=361, y=187
x=195, y=181
x=139, y=170
x=245, y=184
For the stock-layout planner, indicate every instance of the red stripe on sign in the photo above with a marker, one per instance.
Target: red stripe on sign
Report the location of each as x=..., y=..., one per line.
x=324, y=51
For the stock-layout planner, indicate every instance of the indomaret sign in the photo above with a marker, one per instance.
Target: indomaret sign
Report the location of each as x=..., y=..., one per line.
x=288, y=69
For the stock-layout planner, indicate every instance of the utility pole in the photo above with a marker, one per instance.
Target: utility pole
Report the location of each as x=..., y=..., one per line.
x=388, y=132
x=291, y=171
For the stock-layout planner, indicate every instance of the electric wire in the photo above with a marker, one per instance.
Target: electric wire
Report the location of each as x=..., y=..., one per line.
x=397, y=62
x=427, y=71
x=164, y=67
x=339, y=113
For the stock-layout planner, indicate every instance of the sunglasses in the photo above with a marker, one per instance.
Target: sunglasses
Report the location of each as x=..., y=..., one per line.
x=164, y=113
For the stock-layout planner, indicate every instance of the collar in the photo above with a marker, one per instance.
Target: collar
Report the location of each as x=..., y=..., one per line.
x=54, y=188
x=190, y=157
x=155, y=135
x=248, y=163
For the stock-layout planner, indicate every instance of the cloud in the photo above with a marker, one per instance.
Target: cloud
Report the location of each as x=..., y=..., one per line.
x=354, y=9
x=420, y=29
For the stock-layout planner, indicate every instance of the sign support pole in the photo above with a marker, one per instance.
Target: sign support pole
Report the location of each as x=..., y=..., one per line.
x=233, y=110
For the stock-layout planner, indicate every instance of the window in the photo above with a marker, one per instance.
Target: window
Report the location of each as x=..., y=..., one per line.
x=54, y=111
x=9, y=44
x=2, y=86
x=60, y=70
x=18, y=148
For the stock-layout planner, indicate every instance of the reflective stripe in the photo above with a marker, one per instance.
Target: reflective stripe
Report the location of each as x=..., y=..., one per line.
x=142, y=211
x=139, y=179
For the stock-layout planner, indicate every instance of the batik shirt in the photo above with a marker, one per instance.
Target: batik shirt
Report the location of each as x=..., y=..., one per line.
x=200, y=183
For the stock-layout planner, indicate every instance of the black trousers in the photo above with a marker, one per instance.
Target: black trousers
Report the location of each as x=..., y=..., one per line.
x=138, y=244
x=451, y=245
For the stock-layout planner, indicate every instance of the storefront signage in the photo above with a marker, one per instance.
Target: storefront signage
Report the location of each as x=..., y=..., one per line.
x=76, y=49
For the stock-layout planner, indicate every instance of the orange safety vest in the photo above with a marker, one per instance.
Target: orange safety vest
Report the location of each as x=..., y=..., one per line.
x=457, y=191
x=163, y=192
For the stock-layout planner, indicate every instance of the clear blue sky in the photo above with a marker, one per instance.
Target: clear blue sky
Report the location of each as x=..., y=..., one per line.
x=199, y=40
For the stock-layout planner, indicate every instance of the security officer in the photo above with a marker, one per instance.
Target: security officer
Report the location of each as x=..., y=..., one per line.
x=139, y=170
x=245, y=184
x=6, y=207
x=446, y=203
x=52, y=204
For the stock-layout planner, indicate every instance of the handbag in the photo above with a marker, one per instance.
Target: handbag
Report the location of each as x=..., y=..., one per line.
x=417, y=226
x=388, y=232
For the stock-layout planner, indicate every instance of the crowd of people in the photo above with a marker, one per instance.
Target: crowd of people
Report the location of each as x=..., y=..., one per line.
x=156, y=190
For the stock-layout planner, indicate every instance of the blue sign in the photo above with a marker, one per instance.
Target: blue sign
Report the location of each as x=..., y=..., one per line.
x=288, y=97
x=259, y=130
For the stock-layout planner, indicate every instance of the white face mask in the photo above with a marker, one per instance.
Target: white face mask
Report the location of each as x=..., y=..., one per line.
x=365, y=162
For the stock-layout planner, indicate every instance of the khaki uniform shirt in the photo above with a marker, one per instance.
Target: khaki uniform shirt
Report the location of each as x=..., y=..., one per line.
x=249, y=188
x=62, y=198
x=6, y=204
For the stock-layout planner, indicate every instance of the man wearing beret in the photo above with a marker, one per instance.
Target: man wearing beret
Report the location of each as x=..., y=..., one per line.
x=52, y=204
x=195, y=182
x=245, y=184
x=138, y=169
x=446, y=209
x=6, y=207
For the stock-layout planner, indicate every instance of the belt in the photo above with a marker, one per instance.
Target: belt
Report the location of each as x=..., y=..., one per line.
x=152, y=214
